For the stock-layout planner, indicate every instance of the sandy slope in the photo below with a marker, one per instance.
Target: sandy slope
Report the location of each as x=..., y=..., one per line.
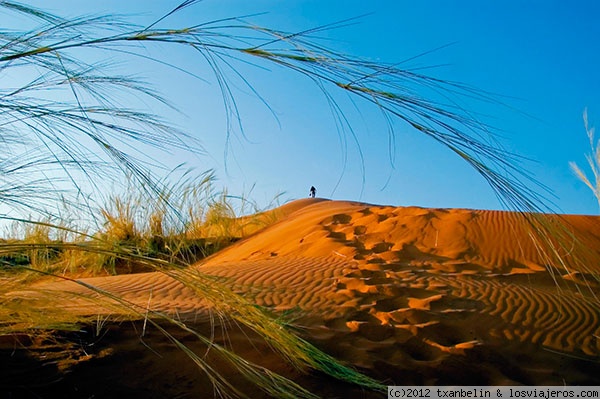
x=412, y=295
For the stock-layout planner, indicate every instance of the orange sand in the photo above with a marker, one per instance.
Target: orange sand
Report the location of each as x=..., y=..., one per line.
x=408, y=295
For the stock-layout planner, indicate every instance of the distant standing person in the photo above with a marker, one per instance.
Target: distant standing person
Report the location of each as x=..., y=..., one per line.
x=313, y=192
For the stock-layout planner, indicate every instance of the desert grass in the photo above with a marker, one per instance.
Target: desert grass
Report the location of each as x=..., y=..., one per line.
x=67, y=113
x=593, y=160
x=90, y=113
x=188, y=221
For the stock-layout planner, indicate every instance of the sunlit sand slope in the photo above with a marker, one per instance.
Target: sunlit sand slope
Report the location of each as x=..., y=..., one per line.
x=416, y=295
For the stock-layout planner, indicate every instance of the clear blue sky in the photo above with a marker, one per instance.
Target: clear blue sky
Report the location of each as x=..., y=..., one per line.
x=541, y=58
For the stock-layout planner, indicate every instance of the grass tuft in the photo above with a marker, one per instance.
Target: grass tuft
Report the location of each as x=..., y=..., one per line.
x=593, y=160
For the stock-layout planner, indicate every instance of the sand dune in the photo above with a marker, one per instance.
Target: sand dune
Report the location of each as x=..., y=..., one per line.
x=411, y=295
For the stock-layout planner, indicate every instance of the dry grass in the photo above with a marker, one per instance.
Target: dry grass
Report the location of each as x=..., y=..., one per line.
x=85, y=137
x=187, y=222
x=593, y=159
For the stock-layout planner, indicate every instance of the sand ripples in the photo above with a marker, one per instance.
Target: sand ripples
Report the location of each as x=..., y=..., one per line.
x=410, y=288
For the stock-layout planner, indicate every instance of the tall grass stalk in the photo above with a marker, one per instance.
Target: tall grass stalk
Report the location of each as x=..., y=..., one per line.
x=70, y=109
x=88, y=90
x=593, y=159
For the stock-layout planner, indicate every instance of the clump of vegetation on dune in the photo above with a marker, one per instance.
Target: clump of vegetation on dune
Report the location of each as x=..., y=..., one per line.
x=185, y=223
x=65, y=133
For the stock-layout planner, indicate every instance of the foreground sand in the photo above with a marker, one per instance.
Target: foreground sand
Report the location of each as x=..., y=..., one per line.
x=408, y=295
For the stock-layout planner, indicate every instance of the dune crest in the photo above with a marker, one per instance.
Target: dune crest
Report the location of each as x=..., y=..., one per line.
x=498, y=241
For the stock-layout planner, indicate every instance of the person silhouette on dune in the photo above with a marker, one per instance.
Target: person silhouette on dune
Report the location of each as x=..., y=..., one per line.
x=313, y=192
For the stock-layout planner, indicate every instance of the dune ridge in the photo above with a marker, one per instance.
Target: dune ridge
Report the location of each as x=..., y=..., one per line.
x=412, y=295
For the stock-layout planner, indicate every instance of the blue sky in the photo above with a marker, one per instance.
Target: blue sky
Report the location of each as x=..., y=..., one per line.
x=539, y=58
